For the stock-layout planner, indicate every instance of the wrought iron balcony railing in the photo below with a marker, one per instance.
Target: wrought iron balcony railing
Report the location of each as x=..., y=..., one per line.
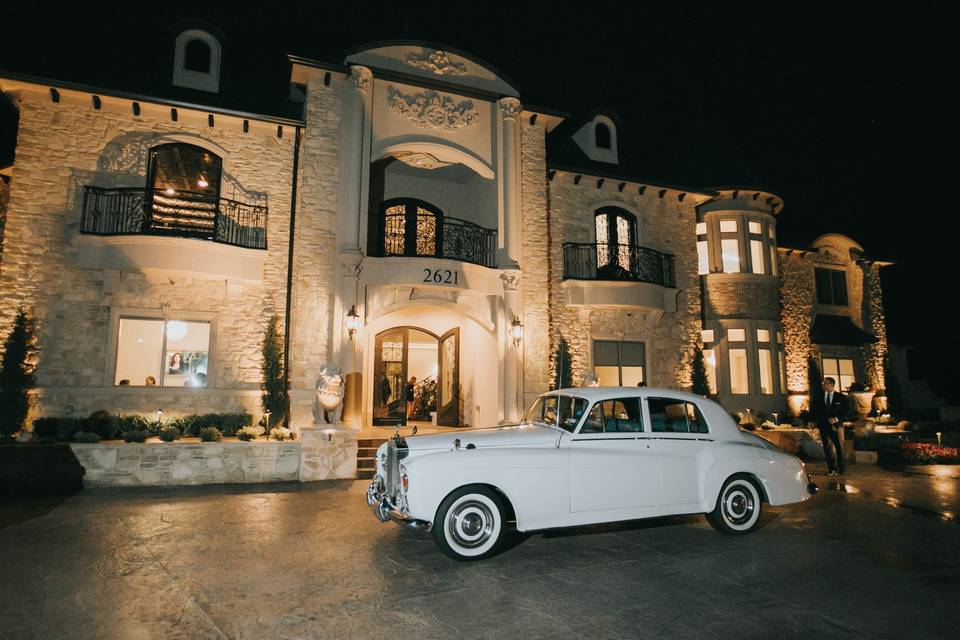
x=622, y=262
x=425, y=234
x=140, y=211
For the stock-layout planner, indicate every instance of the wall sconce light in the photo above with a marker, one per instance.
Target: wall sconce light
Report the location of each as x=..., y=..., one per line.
x=202, y=182
x=353, y=321
x=516, y=331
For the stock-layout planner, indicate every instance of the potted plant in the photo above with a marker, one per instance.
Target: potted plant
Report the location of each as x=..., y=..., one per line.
x=862, y=397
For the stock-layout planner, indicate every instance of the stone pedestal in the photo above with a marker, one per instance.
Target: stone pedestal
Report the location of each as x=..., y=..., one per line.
x=327, y=453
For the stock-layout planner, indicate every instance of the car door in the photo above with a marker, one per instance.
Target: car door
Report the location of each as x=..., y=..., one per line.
x=682, y=447
x=611, y=466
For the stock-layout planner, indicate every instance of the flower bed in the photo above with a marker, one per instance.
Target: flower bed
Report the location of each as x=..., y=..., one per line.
x=920, y=453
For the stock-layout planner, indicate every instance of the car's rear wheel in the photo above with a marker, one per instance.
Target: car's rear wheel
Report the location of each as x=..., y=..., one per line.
x=738, y=506
x=470, y=523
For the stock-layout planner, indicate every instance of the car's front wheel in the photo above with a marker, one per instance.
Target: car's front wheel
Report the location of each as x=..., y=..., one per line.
x=738, y=507
x=470, y=523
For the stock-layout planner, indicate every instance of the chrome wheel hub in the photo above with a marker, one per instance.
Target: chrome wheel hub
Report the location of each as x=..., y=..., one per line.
x=470, y=524
x=738, y=506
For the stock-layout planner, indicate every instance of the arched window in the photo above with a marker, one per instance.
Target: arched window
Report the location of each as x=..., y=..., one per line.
x=602, y=136
x=197, y=56
x=411, y=227
x=616, y=231
x=183, y=189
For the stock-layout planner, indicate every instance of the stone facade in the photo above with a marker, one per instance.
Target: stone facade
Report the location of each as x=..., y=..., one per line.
x=67, y=145
x=663, y=223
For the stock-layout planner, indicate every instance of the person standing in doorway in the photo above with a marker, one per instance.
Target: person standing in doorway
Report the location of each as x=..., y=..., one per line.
x=408, y=395
x=829, y=409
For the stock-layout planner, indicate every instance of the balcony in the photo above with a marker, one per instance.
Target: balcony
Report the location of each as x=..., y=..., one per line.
x=617, y=263
x=168, y=212
x=418, y=232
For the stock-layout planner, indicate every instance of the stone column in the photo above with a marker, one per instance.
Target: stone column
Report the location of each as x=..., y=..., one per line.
x=509, y=179
x=513, y=356
x=354, y=184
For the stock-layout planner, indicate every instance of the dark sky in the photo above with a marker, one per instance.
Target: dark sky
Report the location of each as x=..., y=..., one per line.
x=842, y=114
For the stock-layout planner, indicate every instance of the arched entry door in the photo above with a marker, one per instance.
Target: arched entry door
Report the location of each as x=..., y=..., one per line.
x=403, y=353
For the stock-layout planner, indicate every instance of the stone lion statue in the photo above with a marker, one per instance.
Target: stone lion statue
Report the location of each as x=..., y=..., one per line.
x=330, y=390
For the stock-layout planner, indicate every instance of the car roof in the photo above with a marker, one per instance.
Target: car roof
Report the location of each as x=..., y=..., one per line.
x=608, y=393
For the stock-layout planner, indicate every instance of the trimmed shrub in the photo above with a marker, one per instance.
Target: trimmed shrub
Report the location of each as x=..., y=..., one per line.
x=210, y=434
x=102, y=423
x=135, y=436
x=273, y=381
x=249, y=433
x=281, y=433
x=17, y=365
x=57, y=429
x=123, y=424
x=227, y=423
x=86, y=436
x=169, y=434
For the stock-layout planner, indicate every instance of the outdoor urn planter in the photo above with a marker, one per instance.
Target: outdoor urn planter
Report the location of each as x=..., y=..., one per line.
x=863, y=402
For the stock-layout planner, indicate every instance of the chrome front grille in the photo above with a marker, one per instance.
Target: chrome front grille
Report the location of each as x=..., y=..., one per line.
x=391, y=469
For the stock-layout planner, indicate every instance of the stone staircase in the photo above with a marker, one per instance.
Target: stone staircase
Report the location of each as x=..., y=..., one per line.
x=366, y=456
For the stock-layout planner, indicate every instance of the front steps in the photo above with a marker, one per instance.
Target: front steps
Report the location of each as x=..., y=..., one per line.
x=367, y=456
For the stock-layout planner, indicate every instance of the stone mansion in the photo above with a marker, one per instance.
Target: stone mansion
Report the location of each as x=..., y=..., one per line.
x=404, y=214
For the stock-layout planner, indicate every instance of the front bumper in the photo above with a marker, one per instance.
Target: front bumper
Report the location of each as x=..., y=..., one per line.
x=385, y=510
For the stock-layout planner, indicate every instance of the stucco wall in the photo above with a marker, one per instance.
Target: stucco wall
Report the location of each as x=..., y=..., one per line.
x=63, y=147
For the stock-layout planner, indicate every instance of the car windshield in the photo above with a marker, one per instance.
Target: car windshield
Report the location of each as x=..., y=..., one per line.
x=557, y=411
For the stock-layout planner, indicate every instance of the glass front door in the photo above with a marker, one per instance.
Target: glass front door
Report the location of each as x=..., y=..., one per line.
x=416, y=374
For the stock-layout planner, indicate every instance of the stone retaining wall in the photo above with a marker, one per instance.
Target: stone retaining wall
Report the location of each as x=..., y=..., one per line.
x=320, y=455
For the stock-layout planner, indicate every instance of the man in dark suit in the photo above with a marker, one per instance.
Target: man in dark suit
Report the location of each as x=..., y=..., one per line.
x=829, y=409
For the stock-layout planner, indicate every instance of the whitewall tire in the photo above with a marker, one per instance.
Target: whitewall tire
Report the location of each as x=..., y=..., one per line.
x=470, y=523
x=738, y=506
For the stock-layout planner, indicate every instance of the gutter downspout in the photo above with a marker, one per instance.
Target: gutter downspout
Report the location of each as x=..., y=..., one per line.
x=286, y=317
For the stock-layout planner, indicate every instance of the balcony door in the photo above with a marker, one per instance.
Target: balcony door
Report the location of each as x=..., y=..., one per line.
x=183, y=190
x=410, y=227
x=448, y=382
x=616, y=232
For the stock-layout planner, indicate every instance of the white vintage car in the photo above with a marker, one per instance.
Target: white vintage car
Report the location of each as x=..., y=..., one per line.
x=584, y=456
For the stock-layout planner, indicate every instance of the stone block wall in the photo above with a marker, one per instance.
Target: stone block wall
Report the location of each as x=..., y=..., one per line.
x=664, y=224
x=797, y=298
x=536, y=262
x=63, y=147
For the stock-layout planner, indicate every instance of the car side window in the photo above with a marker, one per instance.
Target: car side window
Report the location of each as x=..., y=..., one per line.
x=594, y=421
x=621, y=415
x=550, y=409
x=570, y=411
x=670, y=415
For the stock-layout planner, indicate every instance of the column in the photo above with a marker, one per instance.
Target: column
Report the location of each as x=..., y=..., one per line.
x=513, y=355
x=509, y=179
x=354, y=181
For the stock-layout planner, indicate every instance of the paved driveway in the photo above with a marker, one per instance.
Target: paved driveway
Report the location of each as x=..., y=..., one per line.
x=309, y=561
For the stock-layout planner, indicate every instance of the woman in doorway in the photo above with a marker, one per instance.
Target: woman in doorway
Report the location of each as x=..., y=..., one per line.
x=408, y=395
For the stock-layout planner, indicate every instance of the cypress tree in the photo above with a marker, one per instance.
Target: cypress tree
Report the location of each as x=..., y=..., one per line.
x=16, y=376
x=698, y=374
x=562, y=371
x=274, y=398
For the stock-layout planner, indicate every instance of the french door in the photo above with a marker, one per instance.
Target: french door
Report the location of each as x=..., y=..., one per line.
x=448, y=385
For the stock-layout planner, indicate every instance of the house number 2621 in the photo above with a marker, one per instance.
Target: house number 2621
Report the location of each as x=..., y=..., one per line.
x=441, y=276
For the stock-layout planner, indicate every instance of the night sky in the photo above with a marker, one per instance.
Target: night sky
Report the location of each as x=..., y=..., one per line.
x=843, y=115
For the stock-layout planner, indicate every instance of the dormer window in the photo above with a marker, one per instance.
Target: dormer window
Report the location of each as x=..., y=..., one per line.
x=602, y=135
x=196, y=61
x=597, y=138
x=197, y=56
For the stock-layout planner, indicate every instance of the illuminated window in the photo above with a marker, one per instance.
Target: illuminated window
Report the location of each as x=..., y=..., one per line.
x=756, y=256
x=783, y=372
x=755, y=227
x=710, y=359
x=167, y=353
x=618, y=363
x=701, y=228
x=703, y=258
x=766, y=371
x=736, y=335
x=728, y=226
x=841, y=370
x=616, y=235
x=730, y=248
x=707, y=335
x=763, y=335
x=739, y=379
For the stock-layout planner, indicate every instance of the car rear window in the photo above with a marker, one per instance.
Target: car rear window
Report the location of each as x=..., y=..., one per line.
x=670, y=415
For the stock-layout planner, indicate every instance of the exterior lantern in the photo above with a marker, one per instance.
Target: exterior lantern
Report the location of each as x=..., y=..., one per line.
x=516, y=331
x=353, y=321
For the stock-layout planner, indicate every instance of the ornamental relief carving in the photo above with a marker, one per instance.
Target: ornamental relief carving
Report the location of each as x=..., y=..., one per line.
x=437, y=62
x=430, y=110
x=510, y=107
